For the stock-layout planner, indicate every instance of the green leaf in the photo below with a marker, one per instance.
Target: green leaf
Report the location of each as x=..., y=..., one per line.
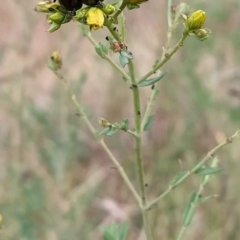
x=105, y=131
x=123, y=230
x=109, y=131
x=189, y=210
x=115, y=232
x=151, y=81
x=123, y=60
x=108, y=236
x=207, y=171
x=205, y=199
x=101, y=50
x=149, y=123
x=124, y=124
x=112, y=131
x=126, y=54
x=177, y=178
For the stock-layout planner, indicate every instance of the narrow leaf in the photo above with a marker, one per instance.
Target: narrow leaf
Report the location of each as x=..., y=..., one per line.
x=151, y=81
x=108, y=235
x=149, y=123
x=105, y=131
x=189, y=210
x=123, y=230
x=208, y=171
x=205, y=199
x=111, y=132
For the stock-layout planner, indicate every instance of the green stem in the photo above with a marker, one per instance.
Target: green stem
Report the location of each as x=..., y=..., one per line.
x=121, y=8
x=169, y=15
x=165, y=58
x=112, y=30
x=209, y=156
x=195, y=202
x=180, y=235
x=139, y=160
x=83, y=115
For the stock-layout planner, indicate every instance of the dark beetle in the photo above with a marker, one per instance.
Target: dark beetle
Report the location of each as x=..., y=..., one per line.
x=72, y=5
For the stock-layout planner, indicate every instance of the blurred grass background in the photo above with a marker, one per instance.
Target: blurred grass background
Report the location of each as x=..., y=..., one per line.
x=56, y=183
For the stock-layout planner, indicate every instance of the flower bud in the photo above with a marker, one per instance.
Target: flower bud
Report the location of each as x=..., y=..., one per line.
x=54, y=27
x=103, y=122
x=56, y=18
x=202, y=34
x=81, y=13
x=55, y=61
x=108, y=9
x=195, y=20
x=47, y=7
x=42, y=6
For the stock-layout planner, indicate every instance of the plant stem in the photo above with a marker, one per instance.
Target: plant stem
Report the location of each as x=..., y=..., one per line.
x=209, y=156
x=121, y=8
x=137, y=119
x=165, y=58
x=182, y=231
x=188, y=218
x=83, y=115
x=139, y=160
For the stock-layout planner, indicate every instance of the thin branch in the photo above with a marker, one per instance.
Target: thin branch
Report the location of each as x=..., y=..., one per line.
x=83, y=115
x=139, y=160
x=208, y=157
x=165, y=58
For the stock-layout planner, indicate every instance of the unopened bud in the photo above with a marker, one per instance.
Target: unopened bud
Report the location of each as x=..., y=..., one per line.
x=55, y=61
x=202, y=34
x=81, y=13
x=57, y=17
x=103, y=122
x=195, y=20
x=54, y=27
x=42, y=6
x=47, y=6
x=108, y=9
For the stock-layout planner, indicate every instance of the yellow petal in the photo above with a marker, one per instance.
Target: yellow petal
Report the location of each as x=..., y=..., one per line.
x=95, y=18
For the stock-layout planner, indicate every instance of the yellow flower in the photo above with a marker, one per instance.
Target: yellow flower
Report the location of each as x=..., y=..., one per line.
x=95, y=18
x=195, y=20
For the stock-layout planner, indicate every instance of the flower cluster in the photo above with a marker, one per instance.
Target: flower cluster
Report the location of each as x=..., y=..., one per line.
x=57, y=15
